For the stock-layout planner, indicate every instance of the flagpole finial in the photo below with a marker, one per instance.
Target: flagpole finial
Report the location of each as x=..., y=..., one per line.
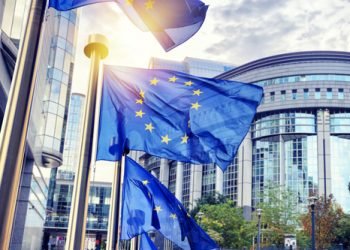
x=97, y=43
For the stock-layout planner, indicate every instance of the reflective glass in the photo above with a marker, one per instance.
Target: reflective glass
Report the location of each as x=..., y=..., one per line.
x=340, y=171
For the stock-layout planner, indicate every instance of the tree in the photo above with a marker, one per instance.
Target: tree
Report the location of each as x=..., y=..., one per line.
x=280, y=215
x=328, y=216
x=342, y=232
x=226, y=225
x=213, y=199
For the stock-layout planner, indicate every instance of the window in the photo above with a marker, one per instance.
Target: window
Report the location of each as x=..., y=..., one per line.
x=306, y=93
x=294, y=94
x=283, y=95
x=329, y=93
x=341, y=94
x=272, y=96
x=317, y=93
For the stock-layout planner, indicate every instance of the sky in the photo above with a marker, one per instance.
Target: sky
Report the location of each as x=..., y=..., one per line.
x=235, y=31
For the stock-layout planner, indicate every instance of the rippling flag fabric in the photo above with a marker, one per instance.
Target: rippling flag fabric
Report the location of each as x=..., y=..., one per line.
x=172, y=22
x=148, y=205
x=173, y=115
x=146, y=243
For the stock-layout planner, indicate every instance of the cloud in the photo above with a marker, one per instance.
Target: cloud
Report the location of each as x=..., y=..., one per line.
x=251, y=29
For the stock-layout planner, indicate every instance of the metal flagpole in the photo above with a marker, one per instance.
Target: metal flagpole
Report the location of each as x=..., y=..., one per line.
x=16, y=119
x=112, y=234
x=114, y=211
x=96, y=49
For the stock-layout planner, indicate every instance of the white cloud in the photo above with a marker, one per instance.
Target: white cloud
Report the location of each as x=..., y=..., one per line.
x=234, y=31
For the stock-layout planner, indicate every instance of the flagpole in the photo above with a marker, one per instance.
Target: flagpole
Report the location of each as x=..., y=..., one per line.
x=16, y=119
x=114, y=211
x=96, y=50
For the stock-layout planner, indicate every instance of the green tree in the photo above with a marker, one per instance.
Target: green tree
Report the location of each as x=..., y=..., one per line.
x=226, y=225
x=213, y=199
x=279, y=216
x=328, y=215
x=342, y=232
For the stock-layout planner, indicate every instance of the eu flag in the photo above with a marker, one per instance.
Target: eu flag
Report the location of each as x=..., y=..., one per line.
x=163, y=211
x=146, y=243
x=171, y=22
x=173, y=115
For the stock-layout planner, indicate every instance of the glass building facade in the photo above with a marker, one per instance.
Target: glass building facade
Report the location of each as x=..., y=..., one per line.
x=31, y=210
x=301, y=131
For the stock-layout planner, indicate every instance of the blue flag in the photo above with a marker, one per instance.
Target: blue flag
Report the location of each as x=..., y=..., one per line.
x=174, y=115
x=163, y=212
x=171, y=22
x=146, y=243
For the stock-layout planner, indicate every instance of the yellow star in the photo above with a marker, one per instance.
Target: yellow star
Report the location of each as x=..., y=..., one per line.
x=149, y=127
x=139, y=101
x=197, y=92
x=166, y=139
x=172, y=79
x=195, y=106
x=142, y=94
x=145, y=182
x=173, y=216
x=184, y=139
x=189, y=83
x=154, y=81
x=129, y=1
x=139, y=113
x=149, y=4
x=158, y=209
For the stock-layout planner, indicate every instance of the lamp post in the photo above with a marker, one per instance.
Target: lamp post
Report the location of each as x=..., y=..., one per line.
x=258, y=211
x=200, y=216
x=312, y=201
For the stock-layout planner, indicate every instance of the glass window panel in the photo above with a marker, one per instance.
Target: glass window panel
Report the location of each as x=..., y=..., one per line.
x=50, y=124
x=341, y=94
x=59, y=58
x=58, y=128
x=63, y=27
x=317, y=93
x=55, y=91
x=329, y=93
x=63, y=94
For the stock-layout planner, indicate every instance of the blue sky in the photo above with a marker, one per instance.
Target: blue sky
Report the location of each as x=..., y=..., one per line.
x=235, y=31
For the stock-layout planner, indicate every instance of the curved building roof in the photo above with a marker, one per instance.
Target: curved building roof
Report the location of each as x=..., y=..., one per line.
x=288, y=58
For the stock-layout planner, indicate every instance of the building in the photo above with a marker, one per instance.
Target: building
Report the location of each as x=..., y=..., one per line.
x=299, y=137
x=49, y=110
x=61, y=189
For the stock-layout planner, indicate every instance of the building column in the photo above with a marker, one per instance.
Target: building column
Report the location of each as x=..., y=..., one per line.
x=283, y=172
x=323, y=152
x=219, y=180
x=164, y=172
x=196, y=184
x=179, y=180
x=244, y=182
x=22, y=206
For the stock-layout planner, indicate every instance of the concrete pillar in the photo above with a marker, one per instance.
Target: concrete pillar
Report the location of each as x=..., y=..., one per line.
x=196, y=184
x=245, y=168
x=22, y=206
x=323, y=152
x=282, y=162
x=219, y=180
x=164, y=172
x=179, y=180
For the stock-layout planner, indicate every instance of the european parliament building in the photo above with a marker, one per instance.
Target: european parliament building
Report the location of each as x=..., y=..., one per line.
x=300, y=137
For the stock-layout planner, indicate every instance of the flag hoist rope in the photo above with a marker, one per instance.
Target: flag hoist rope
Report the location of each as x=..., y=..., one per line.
x=16, y=119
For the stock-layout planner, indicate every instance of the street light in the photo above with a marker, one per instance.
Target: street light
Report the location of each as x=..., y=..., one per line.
x=258, y=211
x=200, y=216
x=312, y=201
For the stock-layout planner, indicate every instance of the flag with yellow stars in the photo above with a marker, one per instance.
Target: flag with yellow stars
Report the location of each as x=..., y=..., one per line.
x=174, y=115
x=172, y=22
x=147, y=205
